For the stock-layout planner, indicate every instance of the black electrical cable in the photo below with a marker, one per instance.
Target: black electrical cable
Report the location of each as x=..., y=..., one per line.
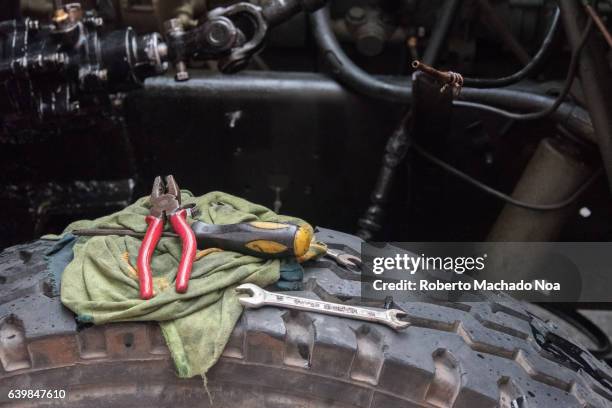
x=505, y=197
x=349, y=74
x=569, y=80
x=400, y=90
x=528, y=70
x=362, y=82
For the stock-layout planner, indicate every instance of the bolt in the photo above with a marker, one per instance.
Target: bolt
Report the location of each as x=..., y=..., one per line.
x=162, y=50
x=218, y=33
x=356, y=15
x=233, y=118
x=181, y=71
x=102, y=74
x=173, y=25
x=585, y=212
x=75, y=11
x=370, y=39
x=32, y=24
x=95, y=21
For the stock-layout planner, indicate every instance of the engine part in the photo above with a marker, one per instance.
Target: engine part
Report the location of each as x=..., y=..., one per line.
x=569, y=80
x=396, y=90
x=367, y=28
x=60, y=69
x=217, y=37
x=530, y=69
x=429, y=120
x=395, y=152
x=441, y=31
x=327, y=111
x=555, y=172
x=232, y=34
x=439, y=360
x=68, y=66
x=595, y=81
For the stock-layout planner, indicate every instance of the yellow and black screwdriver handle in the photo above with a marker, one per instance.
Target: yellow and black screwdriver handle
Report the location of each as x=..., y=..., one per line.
x=262, y=239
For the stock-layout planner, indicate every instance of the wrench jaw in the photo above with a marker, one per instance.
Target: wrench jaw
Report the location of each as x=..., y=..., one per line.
x=256, y=296
x=344, y=259
x=394, y=321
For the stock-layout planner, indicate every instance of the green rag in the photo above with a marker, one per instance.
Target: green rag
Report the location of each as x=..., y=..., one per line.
x=100, y=285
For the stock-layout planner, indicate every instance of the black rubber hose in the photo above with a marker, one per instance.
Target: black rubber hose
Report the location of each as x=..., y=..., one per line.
x=400, y=91
x=351, y=75
x=443, y=26
x=347, y=72
x=568, y=114
x=528, y=70
x=569, y=80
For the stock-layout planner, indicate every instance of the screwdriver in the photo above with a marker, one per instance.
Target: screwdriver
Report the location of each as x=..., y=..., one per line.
x=263, y=239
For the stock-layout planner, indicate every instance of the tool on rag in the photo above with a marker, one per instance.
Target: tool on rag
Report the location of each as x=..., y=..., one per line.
x=165, y=202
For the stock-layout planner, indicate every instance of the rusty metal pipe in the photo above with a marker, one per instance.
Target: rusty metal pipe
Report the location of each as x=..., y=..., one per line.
x=594, y=78
x=554, y=172
x=442, y=76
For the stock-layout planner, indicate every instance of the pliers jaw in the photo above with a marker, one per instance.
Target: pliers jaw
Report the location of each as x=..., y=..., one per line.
x=165, y=198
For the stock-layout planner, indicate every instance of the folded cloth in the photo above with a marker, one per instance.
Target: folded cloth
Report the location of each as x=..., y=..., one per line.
x=100, y=284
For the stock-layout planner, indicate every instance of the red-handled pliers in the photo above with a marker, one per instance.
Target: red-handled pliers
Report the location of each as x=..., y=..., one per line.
x=165, y=204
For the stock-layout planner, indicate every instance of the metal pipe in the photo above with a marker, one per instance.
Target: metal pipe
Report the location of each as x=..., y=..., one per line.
x=439, y=35
x=254, y=84
x=398, y=89
x=278, y=11
x=595, y=80
x=553, y=173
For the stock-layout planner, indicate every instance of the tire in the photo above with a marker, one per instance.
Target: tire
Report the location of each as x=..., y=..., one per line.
x=484, y=354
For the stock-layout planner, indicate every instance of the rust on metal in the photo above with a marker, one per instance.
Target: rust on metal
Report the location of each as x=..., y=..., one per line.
x=448, y=79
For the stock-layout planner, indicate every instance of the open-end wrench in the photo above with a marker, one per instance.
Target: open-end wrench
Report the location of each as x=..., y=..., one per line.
x=343, y=258
x=260, y=297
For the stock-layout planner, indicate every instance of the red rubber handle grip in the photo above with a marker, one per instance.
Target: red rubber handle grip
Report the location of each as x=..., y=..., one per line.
x=183, y=229
x=145, y=253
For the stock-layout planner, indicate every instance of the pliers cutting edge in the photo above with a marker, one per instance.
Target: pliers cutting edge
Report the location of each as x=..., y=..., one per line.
x=166, y=204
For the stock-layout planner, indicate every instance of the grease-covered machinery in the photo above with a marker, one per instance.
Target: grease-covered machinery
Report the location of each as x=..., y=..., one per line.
x=74, y=62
